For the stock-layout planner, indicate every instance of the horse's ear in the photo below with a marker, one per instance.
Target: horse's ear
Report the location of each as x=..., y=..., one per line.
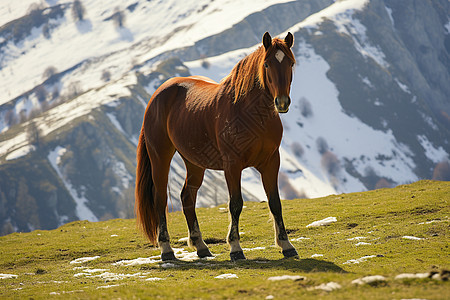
x=267, y=40
x=289, y=40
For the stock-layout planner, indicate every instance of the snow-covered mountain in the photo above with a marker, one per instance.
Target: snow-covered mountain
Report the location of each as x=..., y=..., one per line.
x=370, y=97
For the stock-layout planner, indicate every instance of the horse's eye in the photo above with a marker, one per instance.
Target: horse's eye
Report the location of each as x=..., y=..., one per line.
x=292, y=65
x=266, y=65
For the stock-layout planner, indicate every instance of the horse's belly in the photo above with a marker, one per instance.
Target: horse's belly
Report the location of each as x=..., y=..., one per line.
x=202, y=152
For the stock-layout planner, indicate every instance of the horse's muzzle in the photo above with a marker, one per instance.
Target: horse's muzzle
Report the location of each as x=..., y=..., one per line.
x=282, y=104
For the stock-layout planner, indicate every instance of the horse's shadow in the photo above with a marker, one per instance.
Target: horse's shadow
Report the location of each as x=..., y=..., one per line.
x=306, y=265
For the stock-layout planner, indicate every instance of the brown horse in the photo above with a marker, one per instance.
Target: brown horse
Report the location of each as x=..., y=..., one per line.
x=226, y=126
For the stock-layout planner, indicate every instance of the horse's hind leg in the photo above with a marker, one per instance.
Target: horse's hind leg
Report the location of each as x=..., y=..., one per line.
x=161, y=155
x=194, y=178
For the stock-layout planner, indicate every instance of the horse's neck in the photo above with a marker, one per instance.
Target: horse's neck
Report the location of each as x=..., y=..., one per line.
x=258, y=104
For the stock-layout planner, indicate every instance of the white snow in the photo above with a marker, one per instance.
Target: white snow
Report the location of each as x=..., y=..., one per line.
x=115, y=122
x=323, y=222
x=446, y=219
x=14, y=10
x=412, y=276
x=338, y=12
x=436, y=155
x=82, y=210
x=369, y=279
x=8, y=276
x=348, y=137
x=286, y=277
x=17, y=142
x=389, y=12
x=180, y=253
x=359, y=260
x=120, y=170
x=108, y=286
x=227, y=276
x=341, y=13
x=447, y=27
x=147, y=33
x=300, y=239
x=109, y=276
x=362, y=244
x=328, y=287
x=316, y=255
x=408, y=237
x=357, y=238
x=84, y=259
x=138, y=261
x=118, y=50
x=404, y=87
x=154, y=279
x=20, y=152
x=252, y=249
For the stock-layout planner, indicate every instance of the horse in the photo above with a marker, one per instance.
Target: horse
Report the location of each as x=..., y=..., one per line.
x=229, y=126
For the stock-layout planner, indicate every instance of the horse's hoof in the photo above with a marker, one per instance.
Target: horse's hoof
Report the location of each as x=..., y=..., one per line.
x=235, y=256
x=290, y=253
x=202, y=253
x=168, y=256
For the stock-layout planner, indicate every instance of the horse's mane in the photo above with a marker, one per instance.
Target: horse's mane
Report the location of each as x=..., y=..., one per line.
x=249, y=72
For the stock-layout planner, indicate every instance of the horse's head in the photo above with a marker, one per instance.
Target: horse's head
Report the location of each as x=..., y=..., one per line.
x=276, y=69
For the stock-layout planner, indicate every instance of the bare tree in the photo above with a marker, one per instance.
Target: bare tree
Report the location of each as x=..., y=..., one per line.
x=41, y=93
x=106, y=75
x=330, y=163
x=78, y=11
x=442, y=171
x=305, y=108
x=322, y=145
x=118, y=18
x=34, y=134
x=297, y=149
x=49, y=72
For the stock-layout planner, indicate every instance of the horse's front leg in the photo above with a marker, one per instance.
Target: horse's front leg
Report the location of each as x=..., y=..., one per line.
x=233, y=178
x=269, y=174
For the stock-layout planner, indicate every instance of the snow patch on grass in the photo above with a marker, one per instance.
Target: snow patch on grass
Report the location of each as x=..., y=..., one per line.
x=327, y=287
x=7, y=276
x=316, y=255
x=408, y=237
x=359, y=260
x=286, y=277
x=323, y=222
x=108, y=286
x=300, y=239
x=369, y=280
x=84, y=259
x=412, y=276
x=362, y=244
x=227, y=276
x=357, y=238
x=180, y=254
x=252, y=249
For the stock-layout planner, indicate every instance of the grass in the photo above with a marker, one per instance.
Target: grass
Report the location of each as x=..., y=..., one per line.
x=41, y=259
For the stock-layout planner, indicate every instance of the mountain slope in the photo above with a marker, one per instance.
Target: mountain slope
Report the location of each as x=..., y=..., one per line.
x=367, y=111
x=400, y=235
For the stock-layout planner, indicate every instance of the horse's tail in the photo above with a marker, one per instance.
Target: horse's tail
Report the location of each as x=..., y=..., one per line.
x=145, y=206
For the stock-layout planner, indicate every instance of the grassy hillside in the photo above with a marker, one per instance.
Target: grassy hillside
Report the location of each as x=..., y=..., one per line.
x=372, y=225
